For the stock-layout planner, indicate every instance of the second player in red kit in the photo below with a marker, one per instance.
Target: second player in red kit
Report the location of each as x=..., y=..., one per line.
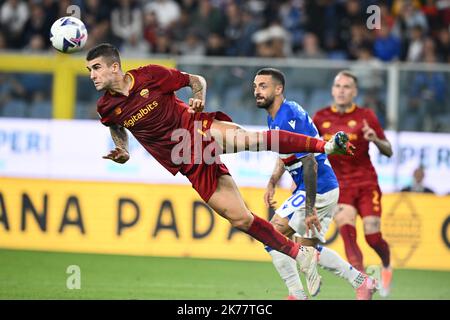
x=358, y=181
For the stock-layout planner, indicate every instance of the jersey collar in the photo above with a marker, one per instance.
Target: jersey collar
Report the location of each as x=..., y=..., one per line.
x=113, y=93
x=132, y=80
x=349, y=110
x=278, y=111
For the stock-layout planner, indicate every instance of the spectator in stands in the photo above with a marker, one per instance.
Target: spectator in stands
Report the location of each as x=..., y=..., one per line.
x=233, y=29
x=359, y=37
x=417, y=184
x=273, y=42
x=208, y=19
x=36, y=44
x=188, y=5
x=181, y=27
x=386, y=45
x=409, y=16
x=96, y=16
x=127, y=21
x=150, y=28
x=167, y=12
x=386, y=15
x=135, y=46
x=163, y=44
x=292, y=17
x=192, y=45
x=215, y=45
x=431, y=12
x=414, y=51
x=443, y=45
x=311, y=48
x=37, y=24
x=350, y=17
x=13, y=16
x=241, y=44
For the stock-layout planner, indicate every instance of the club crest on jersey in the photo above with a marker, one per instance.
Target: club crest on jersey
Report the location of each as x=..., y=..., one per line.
x=292, y=124
x=326, y=124
x=117, y=111
x=144, y=93
x=351, y=123
x=205, y=123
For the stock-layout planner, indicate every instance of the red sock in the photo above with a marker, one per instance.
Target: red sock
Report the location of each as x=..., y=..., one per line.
x=264, y=232
x=352, y=251
x=284, y=142
x=380, y=246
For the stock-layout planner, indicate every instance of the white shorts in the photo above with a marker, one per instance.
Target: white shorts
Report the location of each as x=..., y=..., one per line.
x=294, y=210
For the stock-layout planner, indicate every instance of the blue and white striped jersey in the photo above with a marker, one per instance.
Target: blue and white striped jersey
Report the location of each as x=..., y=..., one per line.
x=292, y=117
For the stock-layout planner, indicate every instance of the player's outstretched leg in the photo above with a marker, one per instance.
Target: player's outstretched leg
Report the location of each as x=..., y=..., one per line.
x=234, y=138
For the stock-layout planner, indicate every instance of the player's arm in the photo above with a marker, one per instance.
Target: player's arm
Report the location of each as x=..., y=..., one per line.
x=271, y=185
x=384, y=146
x=370, y=134
x=309, y=164
x=120, y=137
x=198, y=85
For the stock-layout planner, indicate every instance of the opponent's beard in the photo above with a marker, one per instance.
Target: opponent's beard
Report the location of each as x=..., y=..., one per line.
x=266, y=103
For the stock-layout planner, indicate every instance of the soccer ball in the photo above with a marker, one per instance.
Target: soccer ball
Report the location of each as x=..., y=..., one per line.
x=68, y=34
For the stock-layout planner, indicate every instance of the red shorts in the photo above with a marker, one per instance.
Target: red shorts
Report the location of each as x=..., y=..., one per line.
x=204, y=176
x=366, y=199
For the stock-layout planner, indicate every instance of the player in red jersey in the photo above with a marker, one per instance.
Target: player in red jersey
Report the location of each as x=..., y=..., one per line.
x=179, y=136
x=358, y=181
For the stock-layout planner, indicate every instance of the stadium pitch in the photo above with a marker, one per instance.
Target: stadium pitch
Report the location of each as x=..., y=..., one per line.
x=44, y=275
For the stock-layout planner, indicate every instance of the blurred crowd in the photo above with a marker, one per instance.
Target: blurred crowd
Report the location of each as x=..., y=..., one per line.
x=410, y=30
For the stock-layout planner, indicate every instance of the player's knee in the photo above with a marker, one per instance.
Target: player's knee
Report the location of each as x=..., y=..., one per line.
x=242, y=223
x=371, y=225
x=280, y=224
x=343, y=219
x=345, y=214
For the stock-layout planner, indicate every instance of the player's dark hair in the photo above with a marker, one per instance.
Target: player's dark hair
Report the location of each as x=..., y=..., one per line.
x=275, y=73
x=105, y=50
x=349, y=74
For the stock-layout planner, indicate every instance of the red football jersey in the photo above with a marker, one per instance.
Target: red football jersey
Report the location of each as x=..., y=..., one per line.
x=151, y=111
x=356, y=170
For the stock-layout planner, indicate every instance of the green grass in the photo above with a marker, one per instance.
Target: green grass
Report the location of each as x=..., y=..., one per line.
x=42, y=275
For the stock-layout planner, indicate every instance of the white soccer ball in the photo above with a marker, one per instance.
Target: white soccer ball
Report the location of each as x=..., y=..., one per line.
x=68, y=34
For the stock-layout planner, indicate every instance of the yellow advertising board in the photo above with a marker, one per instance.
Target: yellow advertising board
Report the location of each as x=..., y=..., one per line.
x=172, y=220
